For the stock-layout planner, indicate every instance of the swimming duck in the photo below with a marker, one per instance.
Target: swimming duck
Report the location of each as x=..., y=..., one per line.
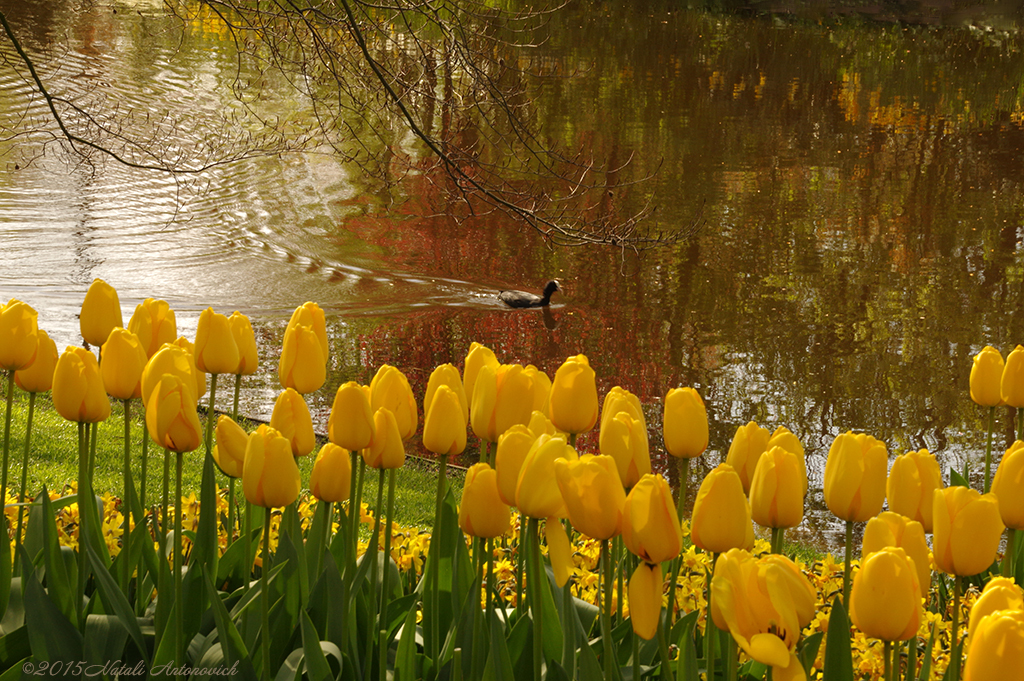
x=524, y=299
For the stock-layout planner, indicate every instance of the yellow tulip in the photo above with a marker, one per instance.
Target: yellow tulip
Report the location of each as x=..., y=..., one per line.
x=446, y=374
x=721, y=513
x=477, y=357
x=855, y=472
x=171, y=417
x=646, y=586
x=169, y=359
x=624, y=438
x=685, y=423
x=270, y=477
x=331, y=477
x=572, y=404
x=444, y=428
x=996, y=650
x=541, y=388
x=1011, y=383
x=37, y=377
x=229, y=452
x=390, y=389
x=885, y=600
x=593, y=494
x=650, y=525
x=748, y=444
x=216, y=351
x=777, y=490
x=387, y=449
x=618, y=400
x=966, y=530
x=503, y=398
x=541, y=424
x=291, y=418
x=537, y=493
x=1001, y=593
x=78, y=393
x=513, y=446
x=482, y=513
x=893, y=529
x=123, y=361
x=1008, y=484
x=764, y=603
x=783, y=437
x=154, y=323
x=19, y=331
x=303, y=366
x=351, y=422
x=310, y=314
x=245, y=340
x=986, y=377
x=198, y=377
x=913, y=478
x=559, y=550
x=101, y=313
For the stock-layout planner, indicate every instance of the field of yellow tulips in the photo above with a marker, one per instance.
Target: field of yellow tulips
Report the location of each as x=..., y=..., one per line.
x=554, y=563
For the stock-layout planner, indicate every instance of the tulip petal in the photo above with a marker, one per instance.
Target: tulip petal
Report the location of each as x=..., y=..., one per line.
x=559, y=550
x=645, y=591
x=769, y=649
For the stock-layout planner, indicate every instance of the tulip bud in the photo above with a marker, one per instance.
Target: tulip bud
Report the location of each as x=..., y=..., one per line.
x=986, y=377
x=390, y=389
x=650, y=525
x=996, y=649
x=783, y=437
x=572, y=404
x=966, y=530
x=215, y=350
x=331, y=477
x=18, y=335
x=292, y=420
x=229, y=452
x=170, y=359
x=913, y=478
x=593, y=494
x=541, y=388
x=855, y=477
x=446, y=374
x=387, y=449
x=1007, y=486
x=537, y=493
x=310, y=314
x=303, y=366
x=503, y=398
x=101, y=313
x=885, y=600
x=685, y=423
x=893, y=529
x=444, y=428
x=198, y=377
x=270, y=477
x=154, y=323
x=482, y=513
x=624, y=438
x=351, y=422
x=646, y=586
x=123, y=361
x=37, y=377
x=478, y=356
x=78, y=393
x=777, y=490
x=618, y=400
x=721, y=513
x=1001, y=593
x=245, y=340
x=749, y=443
x=171, y=415
x=513, y=446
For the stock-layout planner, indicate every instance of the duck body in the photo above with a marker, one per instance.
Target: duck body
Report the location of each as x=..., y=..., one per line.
x=525, y=299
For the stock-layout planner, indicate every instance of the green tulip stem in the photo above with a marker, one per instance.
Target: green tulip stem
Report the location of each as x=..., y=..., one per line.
x=126, y=575
x=666, y=656
x=619, y=550
x=7, y=433
x=83, y=484
x=326, y=538
x=535, y=597
x=847, y=565
x=911, y=659
x=778, y=539
x=384, y=586
x=231, y=511
x=710, y=629
x=24, y=474
x=489, y=585
x=572, y=440
x=485, y=446
x=179, y=615
x=1020, y=423
x=988, y=450
x=520, y=557
x=435, y=563
x=94, y=430
x=372, y=550
x=358, y=506
x=249, y=559
x=955, y=630
x=479, y=565
x=677, y=562
x=142, y=474
x=684, y=477
x=732, y=661
x=265, y=597
x=606, y=617
x=569, y=633
x=351, y=517
x=1011, y=540
x=887, y=660
x=635, y=654
x=234, y=401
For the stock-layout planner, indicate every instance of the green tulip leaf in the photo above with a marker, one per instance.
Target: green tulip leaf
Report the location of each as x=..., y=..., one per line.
x=405, y=659
x=291, y=669
x=315, y=539
x=807, y=650
x=14, y=672
x=958, y=480
x=838, y=658
x=205, y=550
x=14, y=647
x=682, y=634
x=52, y=636
x=62, y=586
x=520, y=648
x=231, y=567
x=105, y=639
x=499, y=663
x=926, y=657
x=116, y=603
x=317, y=666
x=232, y=648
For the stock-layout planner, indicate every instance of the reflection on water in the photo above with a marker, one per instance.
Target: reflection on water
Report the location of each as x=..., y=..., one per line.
x=860, y=183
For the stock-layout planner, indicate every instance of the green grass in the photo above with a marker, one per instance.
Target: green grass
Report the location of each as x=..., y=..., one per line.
x=53, y=461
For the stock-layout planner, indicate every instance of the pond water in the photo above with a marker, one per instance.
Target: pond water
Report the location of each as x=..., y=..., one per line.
x=859, y=176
